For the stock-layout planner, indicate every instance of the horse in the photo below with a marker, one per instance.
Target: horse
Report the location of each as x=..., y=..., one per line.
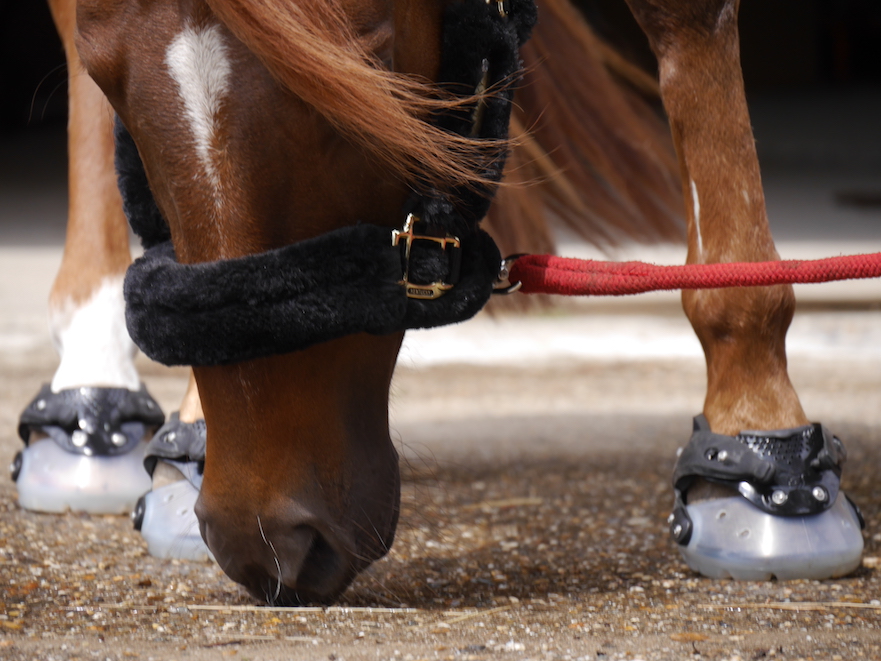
x=261, y=125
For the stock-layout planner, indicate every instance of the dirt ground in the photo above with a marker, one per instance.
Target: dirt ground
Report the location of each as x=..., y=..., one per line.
x=532, y=527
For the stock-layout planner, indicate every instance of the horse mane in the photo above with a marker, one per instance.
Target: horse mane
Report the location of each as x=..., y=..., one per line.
x=310, y=47
x=591, y=149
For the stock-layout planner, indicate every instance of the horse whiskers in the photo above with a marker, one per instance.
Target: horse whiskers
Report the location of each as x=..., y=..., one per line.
x=373, y=527
x=275, y=558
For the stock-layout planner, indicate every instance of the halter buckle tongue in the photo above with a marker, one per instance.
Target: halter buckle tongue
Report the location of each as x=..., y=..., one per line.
x=432, y=290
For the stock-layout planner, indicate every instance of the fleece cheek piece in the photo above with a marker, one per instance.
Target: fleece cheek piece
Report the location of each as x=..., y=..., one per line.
x=284, y=300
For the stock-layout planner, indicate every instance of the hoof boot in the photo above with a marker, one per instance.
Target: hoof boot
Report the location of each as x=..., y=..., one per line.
x=777, y=510
x=168, y=523
x=165, y=516
x=84, y=450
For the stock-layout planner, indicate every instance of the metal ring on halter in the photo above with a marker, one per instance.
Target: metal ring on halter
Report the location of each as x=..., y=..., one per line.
x=503, y=286
x=789, y=520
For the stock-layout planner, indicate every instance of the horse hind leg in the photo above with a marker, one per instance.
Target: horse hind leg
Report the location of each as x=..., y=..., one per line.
x=740, y=511
x=84, y=431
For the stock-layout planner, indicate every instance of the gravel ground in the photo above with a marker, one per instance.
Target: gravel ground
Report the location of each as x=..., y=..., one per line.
x=534, y=497
x=534, y=502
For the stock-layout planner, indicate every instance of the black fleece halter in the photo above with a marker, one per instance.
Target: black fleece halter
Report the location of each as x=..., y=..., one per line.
x=441, y=269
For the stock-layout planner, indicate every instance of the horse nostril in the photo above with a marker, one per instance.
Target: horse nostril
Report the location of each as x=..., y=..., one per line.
x=321, y=560
x=285, y=565
x=315, y=571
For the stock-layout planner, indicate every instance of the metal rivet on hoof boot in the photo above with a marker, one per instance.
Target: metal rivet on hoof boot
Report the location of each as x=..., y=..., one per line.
x=722, y=456
x=138, y=513
x=79, y=438
x=820, y=494
x=779, y=497
x=118, y=439
x=15, y=466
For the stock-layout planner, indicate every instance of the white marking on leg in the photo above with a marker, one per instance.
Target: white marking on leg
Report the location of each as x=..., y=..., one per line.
x=696, y=207
x=197, y=59
x=93, y=342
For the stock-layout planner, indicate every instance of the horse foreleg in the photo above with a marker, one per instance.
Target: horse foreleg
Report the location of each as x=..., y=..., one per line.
x=742, y=331
x=86, y=305
x=787, y=528
x=95, y=411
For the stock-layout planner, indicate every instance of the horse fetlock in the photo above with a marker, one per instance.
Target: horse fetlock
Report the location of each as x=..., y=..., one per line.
x=93, y=342
x=743, y=335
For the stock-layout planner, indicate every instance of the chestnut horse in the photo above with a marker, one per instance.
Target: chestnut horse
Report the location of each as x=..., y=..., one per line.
x=262, y=123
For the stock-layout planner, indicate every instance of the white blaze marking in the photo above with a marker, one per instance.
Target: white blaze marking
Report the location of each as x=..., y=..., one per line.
x=93, y=342
x=696, y=206
x=667, y=70
x=199, y=65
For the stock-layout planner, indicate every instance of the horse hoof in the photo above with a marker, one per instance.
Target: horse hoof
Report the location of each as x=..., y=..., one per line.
x=165, y=516
x=770, y=507
x=89, y=450
x=51, y=479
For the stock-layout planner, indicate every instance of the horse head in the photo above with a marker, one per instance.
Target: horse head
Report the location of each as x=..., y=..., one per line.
x=261, y=125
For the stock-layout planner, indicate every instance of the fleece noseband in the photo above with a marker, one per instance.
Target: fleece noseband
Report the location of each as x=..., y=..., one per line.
x=439, y=269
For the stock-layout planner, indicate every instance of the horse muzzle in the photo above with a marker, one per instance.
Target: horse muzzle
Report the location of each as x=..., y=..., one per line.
x=291, y=558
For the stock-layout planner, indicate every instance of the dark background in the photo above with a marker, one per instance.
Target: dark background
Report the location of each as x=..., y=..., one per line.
x=785, y=44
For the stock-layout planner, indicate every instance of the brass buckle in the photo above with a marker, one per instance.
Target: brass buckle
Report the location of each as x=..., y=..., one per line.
x=503, y=7
x=435, y=289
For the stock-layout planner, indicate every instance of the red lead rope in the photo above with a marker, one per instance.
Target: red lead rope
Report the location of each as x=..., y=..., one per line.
x=546, y=274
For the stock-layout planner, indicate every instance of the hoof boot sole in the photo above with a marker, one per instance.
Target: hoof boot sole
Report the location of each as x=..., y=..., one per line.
x=51, y=479
x=732, y=538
